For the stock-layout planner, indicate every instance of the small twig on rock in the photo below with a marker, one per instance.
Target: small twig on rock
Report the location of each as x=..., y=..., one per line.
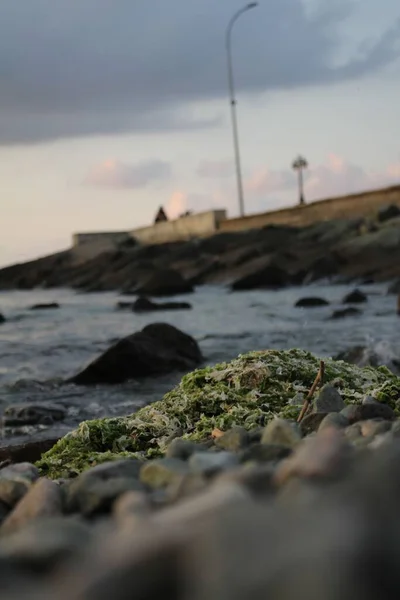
x=318, y=380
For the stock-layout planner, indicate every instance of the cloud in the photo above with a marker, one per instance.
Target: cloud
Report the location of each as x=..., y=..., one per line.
x=215, y=169
x=72, y=68
x=118, y=175
x=335, y=177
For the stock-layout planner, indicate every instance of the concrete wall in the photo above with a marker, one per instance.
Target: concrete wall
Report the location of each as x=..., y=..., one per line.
x=365, y=204
x=88, y=245
x=184, y=228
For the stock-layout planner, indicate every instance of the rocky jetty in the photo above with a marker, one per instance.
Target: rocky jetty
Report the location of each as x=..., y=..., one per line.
x=268, y=258
x=218, y=492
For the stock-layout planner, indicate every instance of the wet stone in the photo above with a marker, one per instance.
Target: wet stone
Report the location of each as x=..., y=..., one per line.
x=30, y=414
x=188, y=485
x=311, y=422
x=365, y=412
x=98, y=496
x=255, y=434
x=24, y=471
x=324, y=456
x=264, y=453
x=396, y=428
x=210, y=463
x=77, y=492
x=181, y=449
x=11, y=492
x=131, y=505
x=374, y=427
x=353, y=432
x=42, y=500
x=328, y=400
x=162, y=472
x=281, y=433
x=44, y=544
x=256, y=479
x=233, y=440
x=334, y=419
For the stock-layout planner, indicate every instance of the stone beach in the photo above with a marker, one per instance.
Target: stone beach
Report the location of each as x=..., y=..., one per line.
x=216, y=491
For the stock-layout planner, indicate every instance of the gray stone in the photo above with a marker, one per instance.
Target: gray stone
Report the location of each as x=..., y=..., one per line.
x=131, y=506
x=257, y=479
x=210, y=463
x=353, y=432
x=11, y=492
x=42, y=500
x=369, y=400
x=233, y=440
x=328, y=400
x=374, y=427
x=264, y=453
x=44, y=544
x=98, y=496
x=187, y=485
x=181, y=449
x=30, y=413
x=162, y=472
x=311, y=422
x=24, y=471
x=282, y=433
x=396, y=428
x=364, y=412
x=81, y=491
x=324, y=456
x=334, y=419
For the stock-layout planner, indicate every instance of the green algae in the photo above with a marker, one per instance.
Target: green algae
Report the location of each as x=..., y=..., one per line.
x=250, y=390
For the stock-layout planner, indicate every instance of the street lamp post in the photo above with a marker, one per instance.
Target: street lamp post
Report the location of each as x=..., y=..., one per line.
x=233, y=102
x=299, y=165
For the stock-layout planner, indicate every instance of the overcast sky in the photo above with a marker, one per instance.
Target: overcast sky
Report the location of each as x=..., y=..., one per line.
x=109, y=108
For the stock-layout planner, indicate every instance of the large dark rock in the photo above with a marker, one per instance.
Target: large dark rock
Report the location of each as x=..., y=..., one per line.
x=355, y=297
x=271, y=276
x=346, y=312
x=394, y=287
x=27, y=452
x=45, y=306
x=164, y=282
x=143, y=304
x=157, y=349
x=388, y=212
x=2, y=319
x=311, y=302
x=363, y=356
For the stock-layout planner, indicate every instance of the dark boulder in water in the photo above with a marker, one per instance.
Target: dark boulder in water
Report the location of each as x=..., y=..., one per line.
x=45, y=306
x=2, y=319
x=311, y=302
x=363, y=356
x=355, y=297
x=270, y=276
x=143, y=304
x=388, y=212
x=157, y=349
x=346, y=312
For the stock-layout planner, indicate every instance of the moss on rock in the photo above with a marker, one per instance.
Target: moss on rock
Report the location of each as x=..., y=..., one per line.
x=251, y=389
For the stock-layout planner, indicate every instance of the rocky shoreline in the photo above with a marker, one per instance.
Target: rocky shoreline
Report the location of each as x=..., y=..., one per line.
x=219, y=490
x=366, y=250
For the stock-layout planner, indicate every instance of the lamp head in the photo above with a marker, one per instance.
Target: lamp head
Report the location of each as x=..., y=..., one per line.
x=252, y=5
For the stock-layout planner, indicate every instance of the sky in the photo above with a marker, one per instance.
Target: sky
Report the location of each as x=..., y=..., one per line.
x=111, y=108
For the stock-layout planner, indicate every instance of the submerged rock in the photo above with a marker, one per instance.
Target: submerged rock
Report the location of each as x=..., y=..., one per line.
x=355, y=297
x=45, y=306
x=143, y=304
x=157, y=349
x=253, y=388
x=311, y=302
x=341, y=313
x=2, y=319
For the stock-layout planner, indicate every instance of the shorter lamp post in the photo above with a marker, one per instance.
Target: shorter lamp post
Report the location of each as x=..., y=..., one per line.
x=299, y=165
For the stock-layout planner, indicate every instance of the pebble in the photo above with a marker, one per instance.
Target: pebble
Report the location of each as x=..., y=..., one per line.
x=210, y=463
x=324, y=456
x=328, y=400
x=334, y=419
x=132, y=505
x=312, y=421
x=162, y=472
x=181, y=449
x=97, y=496
x=233, y=440
x=282, y=433
x=264, y=453
x=42, y=500
x=365, y=412
x=23, y=471
x=374, y=427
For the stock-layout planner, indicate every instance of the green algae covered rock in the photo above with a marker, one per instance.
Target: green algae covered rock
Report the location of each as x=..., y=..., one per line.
x=251, y=389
